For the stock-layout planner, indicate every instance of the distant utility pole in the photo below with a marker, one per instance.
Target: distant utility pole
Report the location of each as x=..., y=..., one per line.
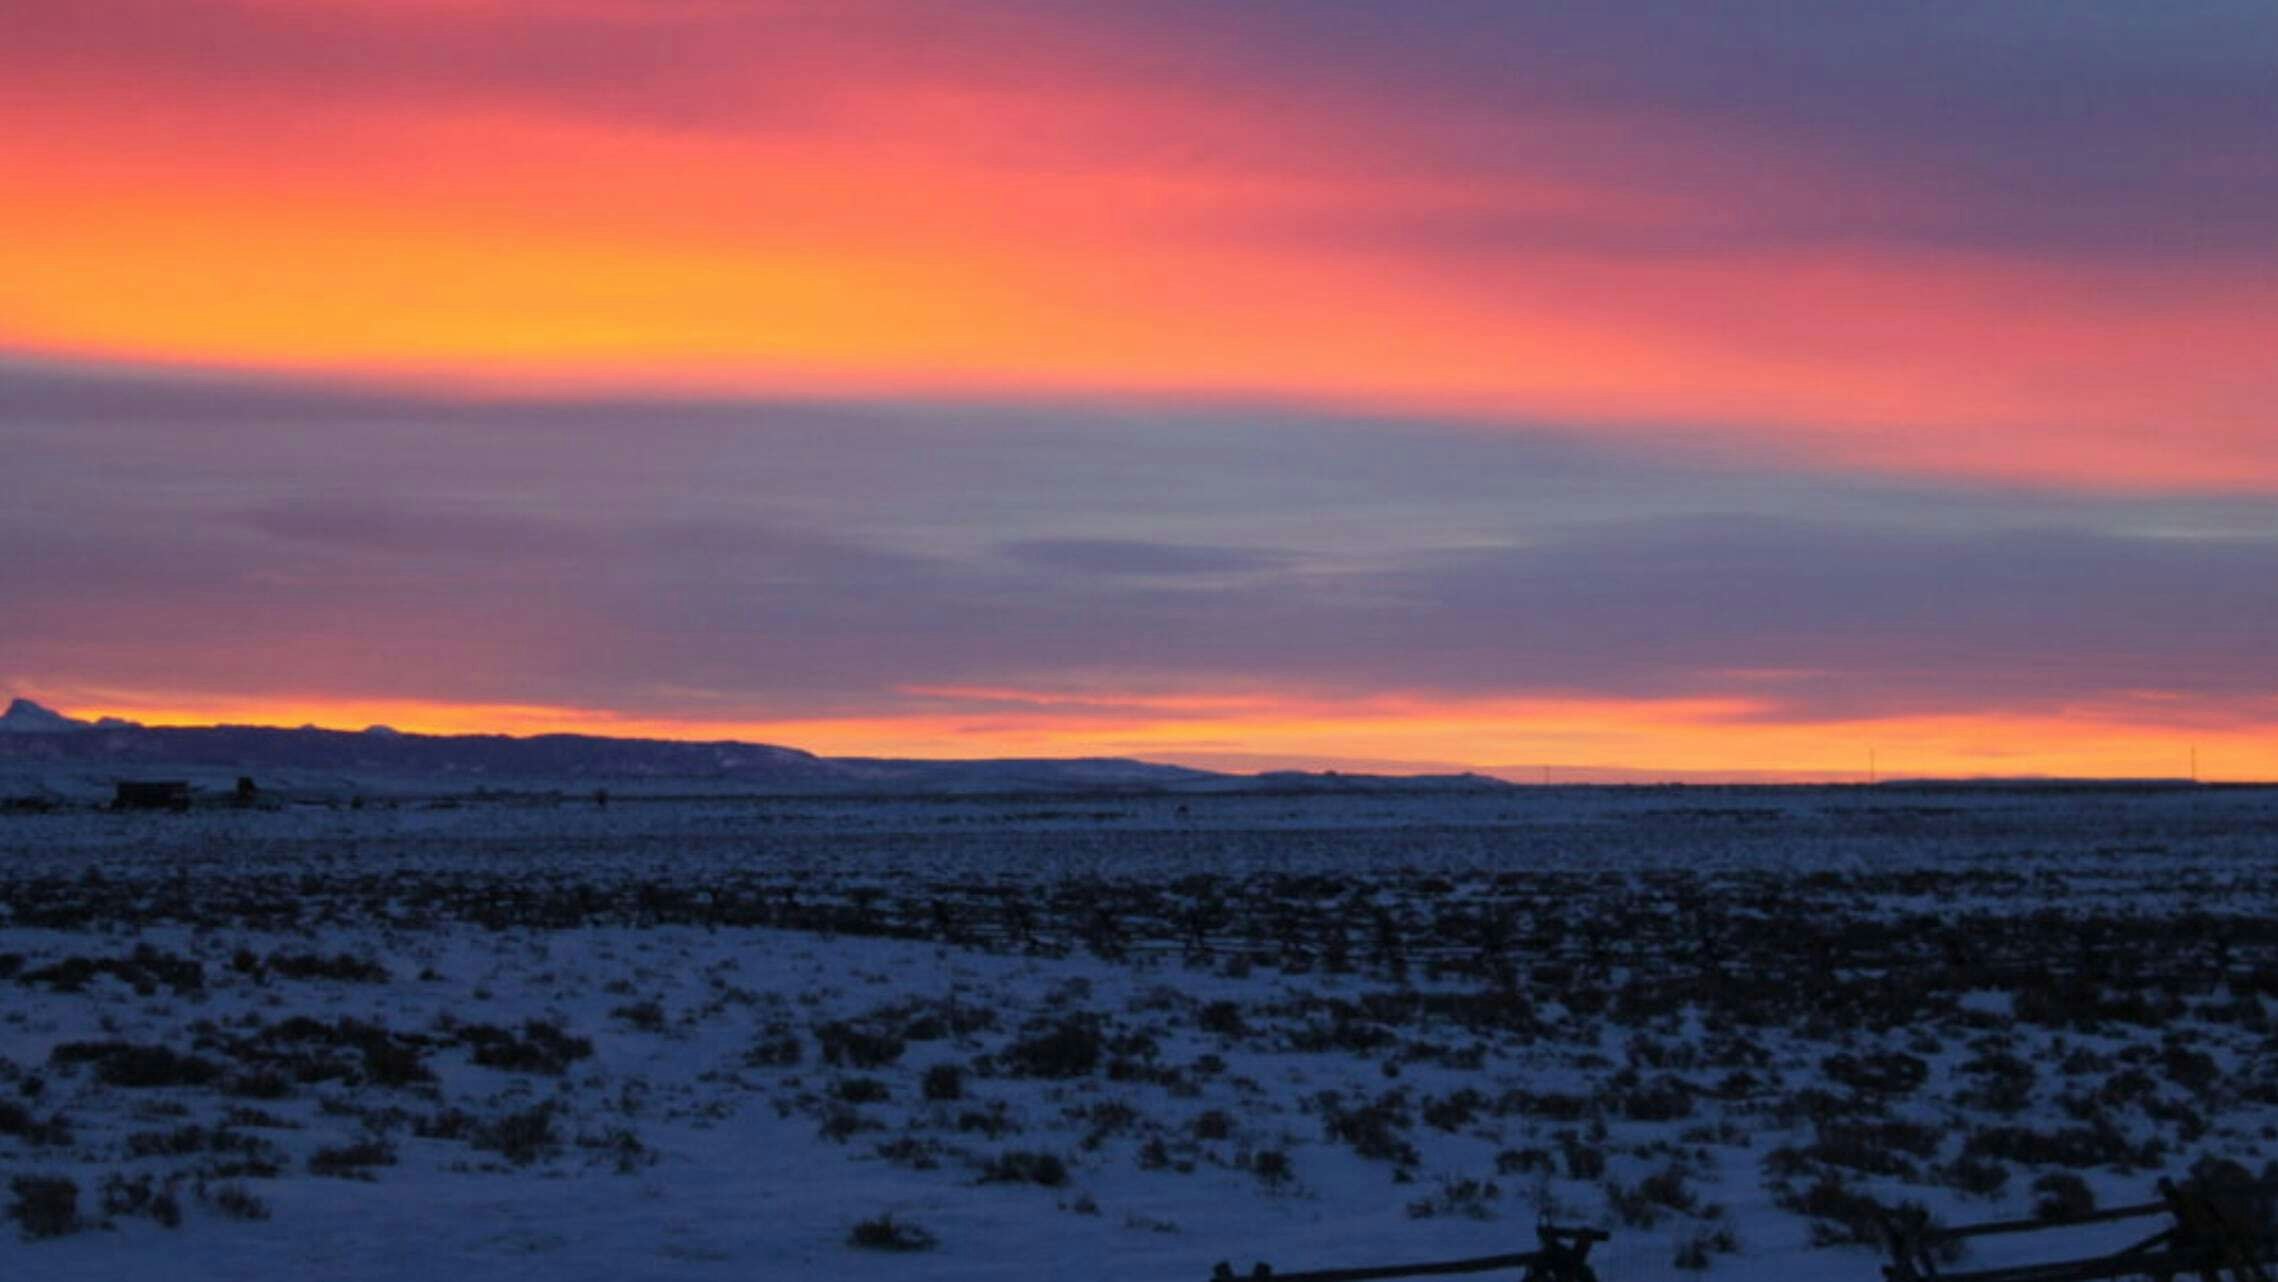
x=1871, y=777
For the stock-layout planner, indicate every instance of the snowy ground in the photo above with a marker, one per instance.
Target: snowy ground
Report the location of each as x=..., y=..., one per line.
x=1120, y=1038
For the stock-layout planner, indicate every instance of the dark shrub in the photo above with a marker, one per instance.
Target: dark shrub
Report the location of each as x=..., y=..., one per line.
x=1473, y=1199
x=776, y=1048
x=1525, y=1161
x=1453, y=1112
x=841, y=1124
x=1017, y=1166
x=1875, y=1148
x=1273, y=1167
x=1583, y=1161
x=1839, y=1215
x=885, y=1233
x=992, y=1121
x=912, y=1152
x=259, y=1083
x=541, y=1048
x=1222, y=1018
x=1889, y=1073
x=1666, y=1099
x=2236, y=1194
x=45, y=1206
x=1552, y=1106
x=143, y=970
x=314, y=1051
x=944, y=1082
x=2063, y=1196
x=1069, y=1049
x=2099, y=1144
x=135, y=1066
x=1373, y=1130
x=2195, y=1071
x=1975, y=1175
x=1641, y=1207
x=20, y=1122
x=521, y=1137
x=1693, y=1253
x=851, y=1046
x=646, y=1016
x=184, y=1141
x=448, y=1124
x=352, y=1161
x=237, y=1202
x=2003, y=1083
x=139, y=1196
x=339, y=966
x=392, y=1063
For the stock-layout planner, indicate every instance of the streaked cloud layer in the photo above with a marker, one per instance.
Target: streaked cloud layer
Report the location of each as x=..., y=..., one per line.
x=1711, y=387
x=911, y=577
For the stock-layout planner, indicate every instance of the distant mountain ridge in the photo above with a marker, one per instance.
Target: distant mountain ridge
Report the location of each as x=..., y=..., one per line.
x=25, y=717
x=31, y=735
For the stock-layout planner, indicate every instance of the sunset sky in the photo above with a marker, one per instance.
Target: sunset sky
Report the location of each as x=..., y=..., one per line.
x=1636, y=390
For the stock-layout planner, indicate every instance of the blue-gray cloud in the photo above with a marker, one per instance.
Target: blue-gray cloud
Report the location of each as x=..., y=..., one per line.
x=2103, y=127
x=805, y=557
x=1136, y=556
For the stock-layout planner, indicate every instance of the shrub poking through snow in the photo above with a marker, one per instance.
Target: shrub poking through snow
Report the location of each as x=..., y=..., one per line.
x=846, y=1045
x=1694, y=1252
x=2062, y=1196
x=44, y=1206
x=1373, y=1130
x=1470, y=1198
x=1839, y=1215
x=944, y=1082
x=885, y=1233
x=1892, y=1073
x=777, y=1047
x=20, y=1122
x=647, y=1016
x=144, y=971
x=236, y=1202
x=521, y=1137
x=1272, y=1167
x=123, y=1197
x=1070, y=1048
x=352, y=1161
x=541, y=1048
x=1019, y=1166
x=340, y=967
x=137, y=1067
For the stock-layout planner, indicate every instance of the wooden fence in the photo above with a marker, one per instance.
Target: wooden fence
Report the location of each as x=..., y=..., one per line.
x=2220, y=1232
x=1563, y=1256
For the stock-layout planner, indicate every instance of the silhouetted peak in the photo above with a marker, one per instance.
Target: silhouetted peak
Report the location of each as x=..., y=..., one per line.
x=26, y=717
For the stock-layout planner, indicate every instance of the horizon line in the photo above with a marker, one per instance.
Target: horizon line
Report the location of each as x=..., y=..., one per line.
x=1534, y=775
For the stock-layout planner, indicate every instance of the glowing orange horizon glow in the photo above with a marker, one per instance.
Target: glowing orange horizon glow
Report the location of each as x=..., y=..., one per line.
x=888, y=248
x=1697, y=738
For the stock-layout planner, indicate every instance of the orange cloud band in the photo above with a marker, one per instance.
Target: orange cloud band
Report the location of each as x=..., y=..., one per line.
x=887, y=248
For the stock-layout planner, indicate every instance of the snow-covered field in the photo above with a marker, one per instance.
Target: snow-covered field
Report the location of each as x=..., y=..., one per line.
x=1119, y=1038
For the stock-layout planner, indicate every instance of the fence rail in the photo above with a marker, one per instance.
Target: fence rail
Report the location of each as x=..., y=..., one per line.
x=1562, y=1257
x=2222, y=1231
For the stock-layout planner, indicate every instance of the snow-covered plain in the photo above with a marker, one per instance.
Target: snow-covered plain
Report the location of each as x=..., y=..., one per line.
x=1120, y=1037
